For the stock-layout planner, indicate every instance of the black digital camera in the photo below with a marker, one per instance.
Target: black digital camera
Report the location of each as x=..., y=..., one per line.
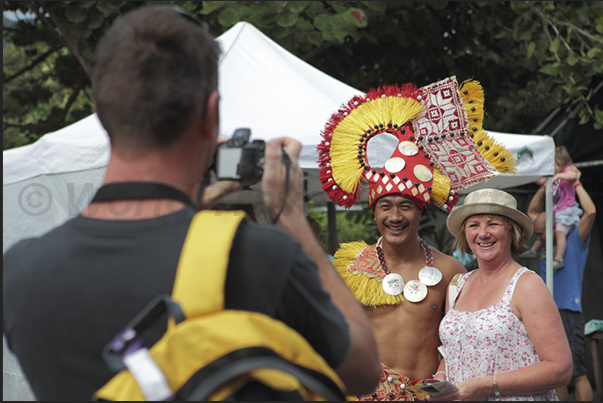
x=238, y=159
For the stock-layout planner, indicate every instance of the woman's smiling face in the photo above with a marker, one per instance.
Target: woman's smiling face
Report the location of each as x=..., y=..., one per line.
x=488, y=236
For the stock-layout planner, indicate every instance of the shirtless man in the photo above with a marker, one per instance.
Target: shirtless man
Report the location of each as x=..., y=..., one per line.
x=406, y=331
x=413, y=146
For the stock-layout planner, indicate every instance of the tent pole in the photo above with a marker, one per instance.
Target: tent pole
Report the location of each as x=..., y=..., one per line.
x=549, y=233
x=332, y=228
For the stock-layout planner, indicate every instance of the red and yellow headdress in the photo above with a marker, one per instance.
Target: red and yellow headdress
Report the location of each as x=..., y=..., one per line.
x=441, y=146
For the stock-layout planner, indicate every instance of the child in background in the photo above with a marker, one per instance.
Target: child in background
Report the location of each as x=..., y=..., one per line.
x=565, y=209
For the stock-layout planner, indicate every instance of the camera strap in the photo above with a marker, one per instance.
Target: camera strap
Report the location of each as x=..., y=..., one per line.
x=140, y=190
x=287, y=162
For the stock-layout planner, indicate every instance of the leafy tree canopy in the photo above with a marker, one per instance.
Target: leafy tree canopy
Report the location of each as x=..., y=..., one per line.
x=530, y=56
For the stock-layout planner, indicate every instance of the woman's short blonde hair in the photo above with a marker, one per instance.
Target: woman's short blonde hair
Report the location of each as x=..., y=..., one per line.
x=519, y=243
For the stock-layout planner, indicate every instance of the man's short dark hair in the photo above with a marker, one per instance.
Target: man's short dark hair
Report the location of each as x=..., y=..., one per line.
x=155, y=69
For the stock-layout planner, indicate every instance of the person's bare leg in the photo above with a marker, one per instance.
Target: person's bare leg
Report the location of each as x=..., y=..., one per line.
x=562, y=393
x=561, y=244
x=537, y=245
x=584, y=391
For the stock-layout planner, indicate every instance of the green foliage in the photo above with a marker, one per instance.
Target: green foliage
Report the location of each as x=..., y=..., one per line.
x=530, y=56
x=351, y=225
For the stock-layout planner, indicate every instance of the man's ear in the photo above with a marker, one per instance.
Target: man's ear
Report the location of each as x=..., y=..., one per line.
x=211, y=118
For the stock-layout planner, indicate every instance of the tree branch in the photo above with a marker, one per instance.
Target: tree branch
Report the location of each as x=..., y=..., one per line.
x=71, y=41
x=55, y=124
x=547, y=21
x=582, y=32
x=315, y=52
x=33, y=64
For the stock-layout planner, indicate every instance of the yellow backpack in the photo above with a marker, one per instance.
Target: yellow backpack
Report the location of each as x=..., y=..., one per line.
x=208, y=352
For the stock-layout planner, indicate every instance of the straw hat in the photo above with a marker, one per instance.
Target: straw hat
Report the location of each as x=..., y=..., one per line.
x=488, y=201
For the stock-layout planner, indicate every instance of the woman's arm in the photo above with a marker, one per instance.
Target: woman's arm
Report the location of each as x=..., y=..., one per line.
x=533, y=304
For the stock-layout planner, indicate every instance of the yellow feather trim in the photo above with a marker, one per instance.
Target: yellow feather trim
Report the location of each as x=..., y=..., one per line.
x=366, y=288
x=344, y=143
x=440, y=187
x=503, y=161
x=507, y=165
x=474, y=103
x=346, y=254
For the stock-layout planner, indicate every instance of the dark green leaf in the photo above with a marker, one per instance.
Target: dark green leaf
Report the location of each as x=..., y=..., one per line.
x=315, y=9
x=572, y=59
x=264, y=19
x=338, y=6
x=108, y=8
x=594, y=52
x=358, y=18
x=211, y=6
x=315, y=39
x=304, y=25
x=439, y=5
x=531, y=47
x=86, y=4
x=74, y=13
x=95, y=19
x=380, y=6
x=297, y=6
x=548, y=69
x=340, y=34
x=322, y=21
x=229, y=16
x=554, y=45
x=327, y=36
x=80, y=30
x=287, y=19
x=500, y=35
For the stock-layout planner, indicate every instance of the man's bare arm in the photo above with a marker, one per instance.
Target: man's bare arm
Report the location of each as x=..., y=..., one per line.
x=588, y=206
x=537, y=203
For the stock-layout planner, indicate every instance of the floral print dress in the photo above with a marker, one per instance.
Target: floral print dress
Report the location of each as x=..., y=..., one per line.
x=487, y=342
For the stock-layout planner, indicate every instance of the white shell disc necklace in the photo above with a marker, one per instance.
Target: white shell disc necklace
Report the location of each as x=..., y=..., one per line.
x=414, y=290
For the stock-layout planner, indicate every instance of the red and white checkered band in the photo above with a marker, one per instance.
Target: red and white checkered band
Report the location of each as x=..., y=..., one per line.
x=458, y=158
x=444, y=109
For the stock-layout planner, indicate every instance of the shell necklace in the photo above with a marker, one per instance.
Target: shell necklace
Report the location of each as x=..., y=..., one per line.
x=414, y=290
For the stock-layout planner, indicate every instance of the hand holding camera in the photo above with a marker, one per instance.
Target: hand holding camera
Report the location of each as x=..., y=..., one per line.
x=282, y=185
x=247, y=162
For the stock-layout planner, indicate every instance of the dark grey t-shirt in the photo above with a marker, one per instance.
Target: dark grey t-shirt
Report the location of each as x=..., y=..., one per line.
x=67, y=293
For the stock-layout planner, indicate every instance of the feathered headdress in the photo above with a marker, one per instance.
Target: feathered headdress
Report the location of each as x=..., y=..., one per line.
x=441, y=146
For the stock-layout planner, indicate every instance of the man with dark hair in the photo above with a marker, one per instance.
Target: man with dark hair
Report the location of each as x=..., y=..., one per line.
x=568, y=280
x=68, y=292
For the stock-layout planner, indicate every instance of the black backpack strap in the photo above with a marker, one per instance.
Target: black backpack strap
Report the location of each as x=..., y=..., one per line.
x=214, y=375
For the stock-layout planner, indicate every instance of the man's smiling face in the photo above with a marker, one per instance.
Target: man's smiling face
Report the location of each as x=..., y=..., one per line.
x=397, y=219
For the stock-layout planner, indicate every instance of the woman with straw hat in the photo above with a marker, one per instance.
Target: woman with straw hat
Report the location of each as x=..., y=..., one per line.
x=502, y=334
